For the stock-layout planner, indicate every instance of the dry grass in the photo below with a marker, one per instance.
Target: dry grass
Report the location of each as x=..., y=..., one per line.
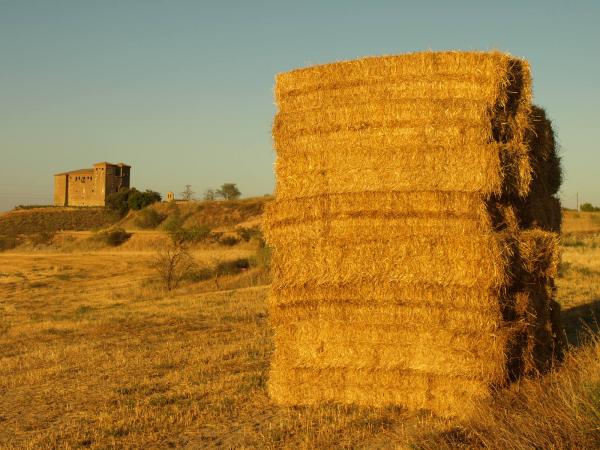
x=92, y=355
x=581, y=222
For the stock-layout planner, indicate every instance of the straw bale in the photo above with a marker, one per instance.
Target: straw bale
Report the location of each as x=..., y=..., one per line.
x=414, y=75
x=481, y=261
x=339, y=337
x=375, y=204
x=446, y=395
x=413, y=232
x=539, y=252
x=547, y=172
x=538, y=211
x=534, y=346
x=422, y=295
x=475, y=169
x=427, y=132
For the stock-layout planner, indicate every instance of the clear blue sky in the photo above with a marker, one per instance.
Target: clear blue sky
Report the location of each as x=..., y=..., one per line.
x=183, y=90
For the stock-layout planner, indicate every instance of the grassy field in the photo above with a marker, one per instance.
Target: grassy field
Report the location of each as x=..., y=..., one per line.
x=94, y=353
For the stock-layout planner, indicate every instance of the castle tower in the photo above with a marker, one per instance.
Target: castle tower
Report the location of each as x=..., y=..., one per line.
x=110, y=178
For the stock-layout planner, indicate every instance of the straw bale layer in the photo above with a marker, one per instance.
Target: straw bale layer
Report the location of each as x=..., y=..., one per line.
x=334, y=128
x=414, y=231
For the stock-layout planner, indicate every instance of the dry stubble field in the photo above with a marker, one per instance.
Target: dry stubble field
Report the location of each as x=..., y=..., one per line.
x=94, y=354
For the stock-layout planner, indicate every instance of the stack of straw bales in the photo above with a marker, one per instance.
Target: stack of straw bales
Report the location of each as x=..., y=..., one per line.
x=414, y=231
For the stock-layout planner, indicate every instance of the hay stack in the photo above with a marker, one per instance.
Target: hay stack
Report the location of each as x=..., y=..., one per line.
x=413, y=231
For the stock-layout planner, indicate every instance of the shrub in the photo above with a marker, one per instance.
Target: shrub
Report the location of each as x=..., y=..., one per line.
x=113, y=237
x=199, y=233
x=229, y=241
x=199, y=274
x=172, y=264
x=572, y=241
x=173, y=223
x=127, y=199
x=148, y=218
x=139, y=200
x=248, y=233
x=588, y=207
x=43, y=238
x=232, y=267
x=8, y=242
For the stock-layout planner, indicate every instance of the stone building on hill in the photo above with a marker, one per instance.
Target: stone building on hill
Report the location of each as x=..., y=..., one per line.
x=90, y=187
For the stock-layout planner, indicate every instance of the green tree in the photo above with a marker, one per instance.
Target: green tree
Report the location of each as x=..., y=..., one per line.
x=209, y=194
x=117, y=201
x=228, y=191
x=138, y=200
x=126, y=199
x=588, y=207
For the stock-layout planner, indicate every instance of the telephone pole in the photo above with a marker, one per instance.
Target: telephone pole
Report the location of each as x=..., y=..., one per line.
x=578, y=202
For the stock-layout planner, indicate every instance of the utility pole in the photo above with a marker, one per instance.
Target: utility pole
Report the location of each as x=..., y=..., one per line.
x=578, y=202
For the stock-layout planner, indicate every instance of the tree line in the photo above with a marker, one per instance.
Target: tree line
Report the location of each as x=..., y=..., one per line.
x=132, y=199
x=227, y=191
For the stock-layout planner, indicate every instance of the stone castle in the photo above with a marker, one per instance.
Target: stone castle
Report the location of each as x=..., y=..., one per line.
x=90, y=187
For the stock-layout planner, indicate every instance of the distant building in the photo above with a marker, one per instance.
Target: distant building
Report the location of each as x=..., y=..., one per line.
x=90, y=187
x=170, y=196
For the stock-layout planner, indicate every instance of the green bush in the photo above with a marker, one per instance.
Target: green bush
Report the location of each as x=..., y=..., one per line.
x=196, y=234
x=148, y=218
x=588, y=207
x=173, y=223
x=229, y=241
x=139, y=200
x=572, y=241
x=43, y=238
x=199, y=274
x=248, y=233
x=127, y=199
x=113, y=237
x=232, y=267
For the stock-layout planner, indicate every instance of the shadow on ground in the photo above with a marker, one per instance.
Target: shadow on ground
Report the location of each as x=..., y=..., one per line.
x=581, y=321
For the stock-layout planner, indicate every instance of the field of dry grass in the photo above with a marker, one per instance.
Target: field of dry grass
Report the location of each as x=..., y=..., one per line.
x=95, y=354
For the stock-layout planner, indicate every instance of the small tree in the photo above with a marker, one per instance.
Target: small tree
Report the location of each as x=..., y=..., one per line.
x=588, y=207
x=187, y=193
x=229, y=191
x=126, y=199
x=138, y=200
x=117, y=201
x=172, y=263
x=209, y=194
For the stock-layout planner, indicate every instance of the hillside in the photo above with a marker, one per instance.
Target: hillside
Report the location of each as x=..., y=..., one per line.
x=40, y=220
x=213, y=214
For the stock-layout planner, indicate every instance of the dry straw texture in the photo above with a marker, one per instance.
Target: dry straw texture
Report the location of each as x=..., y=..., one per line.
x=414, y=231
